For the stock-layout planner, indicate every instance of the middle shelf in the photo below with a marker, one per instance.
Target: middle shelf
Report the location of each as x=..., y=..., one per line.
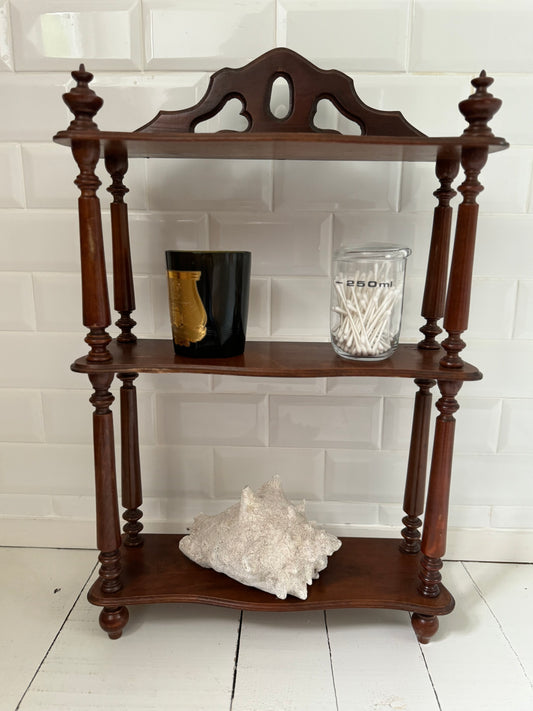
x=276, y=359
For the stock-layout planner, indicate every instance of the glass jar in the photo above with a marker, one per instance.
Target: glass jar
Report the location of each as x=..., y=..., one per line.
x=366, y=300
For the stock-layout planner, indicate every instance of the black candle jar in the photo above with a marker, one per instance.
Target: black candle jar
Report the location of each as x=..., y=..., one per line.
x=208, y=298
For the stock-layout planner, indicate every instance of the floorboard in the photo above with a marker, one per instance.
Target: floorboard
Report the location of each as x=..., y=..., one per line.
x=178, y=657
x=377, y=662
x=39, y=587
x=284, y=663
x=508, y=591
x=471, y=663
x=54, y=656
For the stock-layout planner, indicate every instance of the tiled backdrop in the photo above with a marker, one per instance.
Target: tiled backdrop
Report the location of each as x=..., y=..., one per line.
x=205, y=437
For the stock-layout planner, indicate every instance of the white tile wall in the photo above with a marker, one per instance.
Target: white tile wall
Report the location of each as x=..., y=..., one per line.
x=280, y=244
x=346, y=34
x=478, y=422
x=301, y=470
x=207, y=34
x=499, y=195
x=501, y=362
x=76, y=429
x=515, y=90
x=152, y=234
x=211, y=419
x=516, y=426
x=427, y=102
x=259, y=308
x=39, y=240
x=72, y=466
x=477, y=480
x=523, y=327
x=33, y=505
x=56, y=352
x=364, y=475
x=21, y=416
x=304, y=185
x=178, y=471
x=6, y=56
x=298, y=386
x=209, y=185
x=132, y=99
x=42, y=91
x=405, y=228
x=49, y=176
x=512, y=517
x=51, y=36
x=340, y=442
x=17, y=293
x=11, y=181
x=325, y=422
x=300, y=308
x=515, y=232
x=444, y=36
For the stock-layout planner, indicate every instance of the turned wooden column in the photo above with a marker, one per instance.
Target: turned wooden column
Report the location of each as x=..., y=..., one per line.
x=131, y=467
x=84, y=104
x=478, y=109
x=446, y=170
x=112, y=619
x=415, y=485
x=116, y=162
x=436, y=516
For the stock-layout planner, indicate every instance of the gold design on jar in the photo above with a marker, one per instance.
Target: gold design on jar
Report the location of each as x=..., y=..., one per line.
x=187, y=312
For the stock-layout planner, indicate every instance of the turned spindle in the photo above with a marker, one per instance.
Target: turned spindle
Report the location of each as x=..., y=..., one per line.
x=415, y=484
x=478, y=109
x=131, y=467
x=437, y=269
x=84, y=104
x=116, y=162
x=436, y=517
x=107, y=520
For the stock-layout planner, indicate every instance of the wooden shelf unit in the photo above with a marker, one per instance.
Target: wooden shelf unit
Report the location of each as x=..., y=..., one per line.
x=139, y=568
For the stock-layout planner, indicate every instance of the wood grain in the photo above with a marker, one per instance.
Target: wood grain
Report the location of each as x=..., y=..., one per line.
x=275, y=359
x=291, y=146
x=362, y=573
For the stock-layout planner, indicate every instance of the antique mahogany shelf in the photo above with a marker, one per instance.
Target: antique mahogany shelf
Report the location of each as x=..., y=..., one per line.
x=158, y=572
x=139, y=568
x=275, y=359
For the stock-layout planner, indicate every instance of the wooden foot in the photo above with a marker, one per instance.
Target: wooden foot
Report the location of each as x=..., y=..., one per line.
x=424, y=626
x=113, y=620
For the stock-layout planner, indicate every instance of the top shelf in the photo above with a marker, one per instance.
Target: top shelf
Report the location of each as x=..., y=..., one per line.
x=280, y=146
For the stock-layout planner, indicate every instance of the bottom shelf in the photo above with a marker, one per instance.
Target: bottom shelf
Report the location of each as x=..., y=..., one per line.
x=364, y=572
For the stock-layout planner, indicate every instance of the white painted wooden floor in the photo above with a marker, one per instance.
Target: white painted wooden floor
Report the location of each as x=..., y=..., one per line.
x=190, y=657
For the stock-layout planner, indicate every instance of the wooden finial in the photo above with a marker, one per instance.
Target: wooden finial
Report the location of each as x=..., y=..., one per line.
x=480, y=107
x=82, y=101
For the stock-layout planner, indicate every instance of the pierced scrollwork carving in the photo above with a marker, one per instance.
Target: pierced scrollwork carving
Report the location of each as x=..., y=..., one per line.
x=252, y=85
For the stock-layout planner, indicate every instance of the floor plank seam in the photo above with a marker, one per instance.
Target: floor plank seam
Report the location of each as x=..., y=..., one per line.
x=429, y=675
x=331, y=660
x=39, y=667
x=236, y=664
x=479, y=592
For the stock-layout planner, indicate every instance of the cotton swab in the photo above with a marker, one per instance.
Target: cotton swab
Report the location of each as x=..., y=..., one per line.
x=366, y=306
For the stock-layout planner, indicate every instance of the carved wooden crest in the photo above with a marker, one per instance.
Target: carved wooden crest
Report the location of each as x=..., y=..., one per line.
x=252, y=85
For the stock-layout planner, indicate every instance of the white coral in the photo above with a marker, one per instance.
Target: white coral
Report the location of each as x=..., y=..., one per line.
x=263, y=541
